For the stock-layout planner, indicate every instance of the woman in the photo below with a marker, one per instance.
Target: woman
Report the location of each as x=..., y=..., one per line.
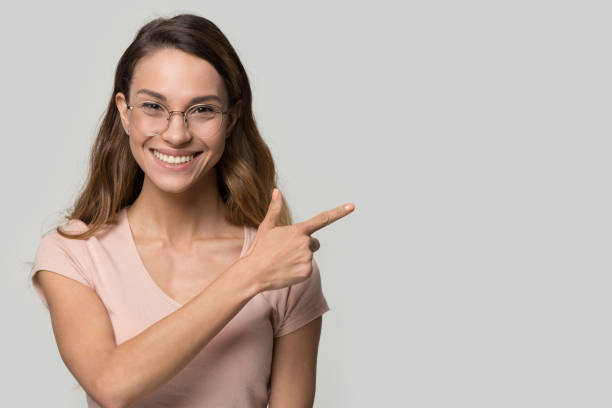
x=179, y=279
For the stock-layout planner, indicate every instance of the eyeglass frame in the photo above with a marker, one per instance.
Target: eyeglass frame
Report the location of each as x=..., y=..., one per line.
x=170, y=113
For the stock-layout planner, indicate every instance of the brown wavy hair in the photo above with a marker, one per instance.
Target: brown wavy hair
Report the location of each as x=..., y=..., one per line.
x=246, y=173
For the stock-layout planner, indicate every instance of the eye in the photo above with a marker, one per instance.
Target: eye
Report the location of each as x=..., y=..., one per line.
x=151, y=106
x=202, y=112
x=153, y=109
x=203, y=109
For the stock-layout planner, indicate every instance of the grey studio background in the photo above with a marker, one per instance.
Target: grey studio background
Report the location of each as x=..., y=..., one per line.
x=473, y=137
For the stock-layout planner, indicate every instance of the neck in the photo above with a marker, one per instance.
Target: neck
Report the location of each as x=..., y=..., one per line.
x=179, y=218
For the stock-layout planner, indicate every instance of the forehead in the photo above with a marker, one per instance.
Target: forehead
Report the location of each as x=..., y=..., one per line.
x=177, y=75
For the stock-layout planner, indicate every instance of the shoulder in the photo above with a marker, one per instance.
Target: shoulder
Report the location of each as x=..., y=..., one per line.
x=65, y=256
x=75, y=226
x=72, y=227
x=54, y=244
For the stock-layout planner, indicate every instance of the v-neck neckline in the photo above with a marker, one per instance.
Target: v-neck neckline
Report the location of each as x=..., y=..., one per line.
x=143, y=269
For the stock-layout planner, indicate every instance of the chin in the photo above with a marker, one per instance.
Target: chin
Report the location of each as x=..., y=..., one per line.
x=174, y=187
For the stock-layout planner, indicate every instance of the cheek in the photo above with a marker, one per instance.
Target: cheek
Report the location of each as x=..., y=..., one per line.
x=219, y=150
x=213, y=151
x=215, y=147
x=137, y=151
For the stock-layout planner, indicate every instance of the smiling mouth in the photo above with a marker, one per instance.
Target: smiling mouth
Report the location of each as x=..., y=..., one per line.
x=166, y=158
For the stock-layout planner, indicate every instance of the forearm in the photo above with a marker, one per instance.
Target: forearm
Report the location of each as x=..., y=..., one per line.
x=150, y=359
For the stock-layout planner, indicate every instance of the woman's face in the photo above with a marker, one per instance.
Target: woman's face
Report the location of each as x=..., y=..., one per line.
x=173, y=78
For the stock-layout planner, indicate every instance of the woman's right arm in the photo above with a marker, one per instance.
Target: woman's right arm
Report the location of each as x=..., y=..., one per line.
x=116, y=376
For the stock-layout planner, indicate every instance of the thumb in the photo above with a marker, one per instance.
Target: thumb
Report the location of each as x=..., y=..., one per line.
x=272, y=217
x=270, y=220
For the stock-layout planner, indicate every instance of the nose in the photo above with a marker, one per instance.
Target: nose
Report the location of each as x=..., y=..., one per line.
x=176, y=133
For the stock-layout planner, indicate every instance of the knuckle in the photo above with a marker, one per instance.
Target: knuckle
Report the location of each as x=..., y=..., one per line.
x=305, y=271
x=308, y=270
x=325, y=218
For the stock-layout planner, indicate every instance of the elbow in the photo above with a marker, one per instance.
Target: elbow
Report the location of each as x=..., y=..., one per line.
x=106, y=394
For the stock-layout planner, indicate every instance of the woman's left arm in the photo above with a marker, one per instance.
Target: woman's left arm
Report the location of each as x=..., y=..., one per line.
x=294, y=367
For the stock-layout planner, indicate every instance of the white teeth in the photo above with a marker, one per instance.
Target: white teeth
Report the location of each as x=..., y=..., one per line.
x=173, y=159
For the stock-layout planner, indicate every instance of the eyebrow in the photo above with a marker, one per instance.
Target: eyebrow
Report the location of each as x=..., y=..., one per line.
x=197, y=99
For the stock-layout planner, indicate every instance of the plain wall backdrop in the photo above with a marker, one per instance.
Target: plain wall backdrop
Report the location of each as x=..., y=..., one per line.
x=473, y=137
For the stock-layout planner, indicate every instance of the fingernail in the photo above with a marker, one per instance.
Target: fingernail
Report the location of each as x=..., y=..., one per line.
x=348, y=207
x=275, y=194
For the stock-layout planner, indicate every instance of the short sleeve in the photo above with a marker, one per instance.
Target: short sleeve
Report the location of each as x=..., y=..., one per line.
x=297, y=305
x=57, y=255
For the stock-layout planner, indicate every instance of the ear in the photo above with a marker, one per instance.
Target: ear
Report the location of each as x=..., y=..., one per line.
x=234, y=115
x=121, y=104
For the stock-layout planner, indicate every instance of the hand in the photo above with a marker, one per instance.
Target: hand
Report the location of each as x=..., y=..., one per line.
x=281, y=256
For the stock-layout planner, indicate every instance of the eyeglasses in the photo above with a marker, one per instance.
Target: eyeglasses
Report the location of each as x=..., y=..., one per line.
x=153, y=118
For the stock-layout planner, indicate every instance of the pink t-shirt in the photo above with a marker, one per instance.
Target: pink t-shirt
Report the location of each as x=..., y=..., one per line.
x=233, y=369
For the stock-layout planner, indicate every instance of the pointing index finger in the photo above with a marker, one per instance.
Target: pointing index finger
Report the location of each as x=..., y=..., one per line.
x=325, y=218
